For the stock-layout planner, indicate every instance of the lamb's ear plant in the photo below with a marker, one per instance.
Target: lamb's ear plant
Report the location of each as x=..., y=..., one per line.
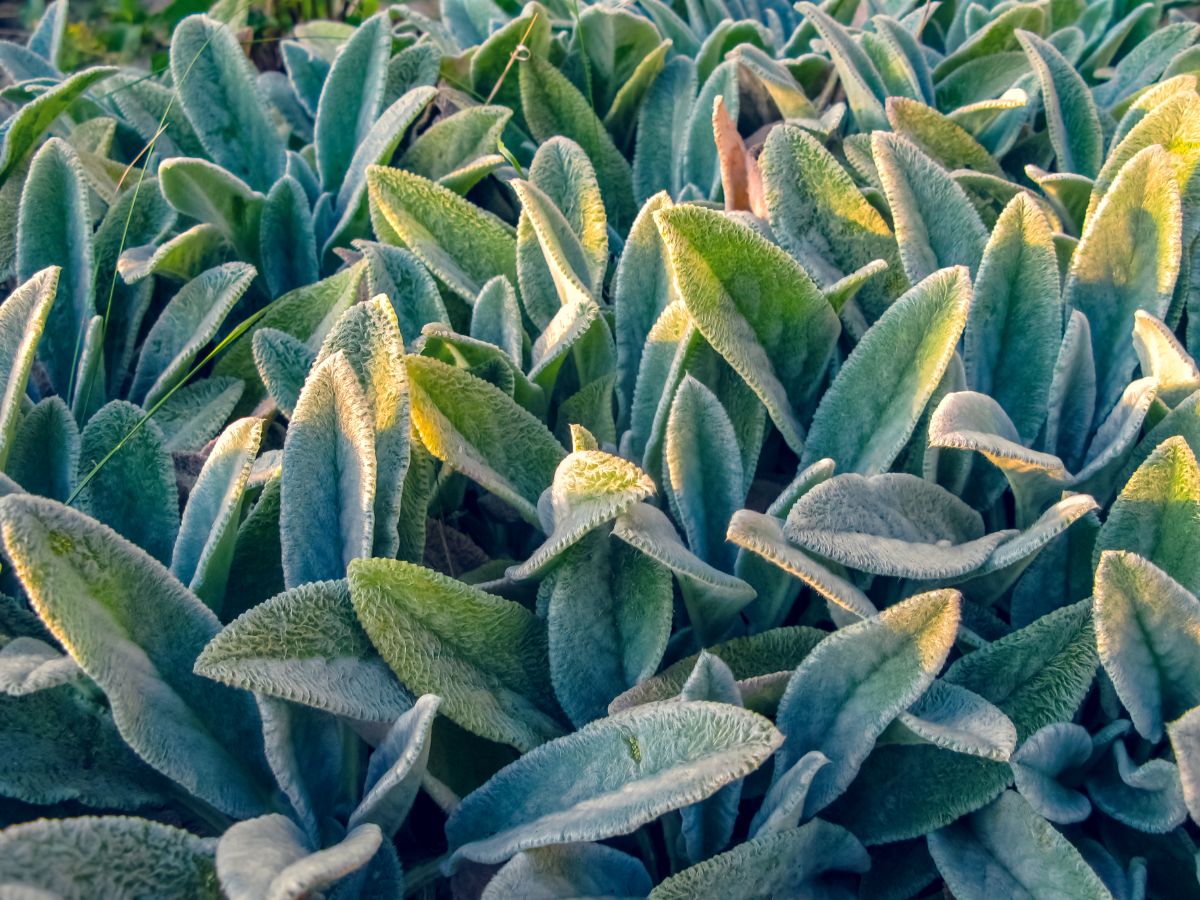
x=649, y=450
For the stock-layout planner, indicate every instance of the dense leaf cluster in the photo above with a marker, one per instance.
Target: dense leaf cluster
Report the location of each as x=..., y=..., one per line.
x=708, y=448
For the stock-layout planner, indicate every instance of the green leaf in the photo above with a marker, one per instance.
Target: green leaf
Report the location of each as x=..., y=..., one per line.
x=135, y=631
x=665, y=112
x=791, y=862
x=484, y=656
x=216, y=87
x=483, y=433
x=54, y=229
x=496, y=318
x=283, y=364
x=214, y=196
x=1184, y=744
x=608, y=620
x=939, y=137
x=1127, y=259
x=45, y=450
x=400, y=275
x=455, y=141
x=288, y=247
x=1013, y=332
x=369, y=337
x=181, y=258
x=1070, y=111
x=865, y=91
x=192, y=319
x=755, y=305
x=994, y=38
x=871, y=409
x=204, y=548
x=590, y=488
x=195, y=413
x=23, y=316
x=149, y=516
x=936, y=226
x=1007, y=847
x=700, y=165
x=328, y=486
x=1157, y=514
x=305, y=645
x=553, y=106
x=1036, y=675
x=856, y=681
x=1146, y=632
x=609, y=778
x=1162, y=357
x=59, y=857
x=462, y=245
x=351, y=98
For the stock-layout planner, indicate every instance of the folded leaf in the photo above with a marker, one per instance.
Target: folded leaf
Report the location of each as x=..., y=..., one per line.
x=1163, y=358
x=856, y=681
x=135, y=631
x=1148, y=797
x=1147, y=631
x=396, y=769
x=634, y=766
x=485, y=656
x=1185, y=743
x=1010, y=848
x=1047, y=753
x=22, y=319
x=288, y=247
x=305, y=645
x=59, y=858
x=869, y=412
x=583, y=870
x=950, y=716
x=218, y=92
x=283, y=364
x=328, y=486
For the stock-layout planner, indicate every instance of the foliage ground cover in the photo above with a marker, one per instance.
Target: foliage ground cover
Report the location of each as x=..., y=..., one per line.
x=649, y=449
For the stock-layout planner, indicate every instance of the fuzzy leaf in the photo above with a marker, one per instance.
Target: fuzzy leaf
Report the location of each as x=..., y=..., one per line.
x=1046, y=754
x=288, y=244
x=634, y=766
x=45, y=452
x=396, y=769
x=305, y=645
x=485, y=656
x=135, y=631
x=583, y=870
x=283, y=364
x=1070, y=111
x=869, y=412
x=196, y=412
x=22, y=318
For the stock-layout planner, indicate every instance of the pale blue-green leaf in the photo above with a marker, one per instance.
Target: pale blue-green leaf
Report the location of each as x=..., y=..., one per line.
x=29, y=665
x=135, y=631
x=456, y=141
x=396, y=768
x=993, y=38
x=400, y=275
x=47, y=38
x=201, y=190
x=634, y=766
x=1185, y=744
x=664, y=113
x=1127, y=259
x=1072, y=399
x=484, y=656
x=763, y=535
x=351, y=97
x=809, y=861
x=496, y=318
x=23, y=316
x=191, y=319
x=90, y=379
x=269, y=858
x=288, y=248
x=1008, y=848
x=217, y=90
x=1148, y=634
x=306, y=71
x=712, y=597
x=864, y=86
x=54, y=228
x=369, y=337
x=953, y=717
x=44, y=458
x=1162, y=357
x=306, y=646
x=328, y=487
x=204, y=548
x=1148, y=797
x=1142, y=65
x=1115, y=439
x=195, y=413
x=869, y=412
x=1013, y=332
x=149, y=516
x=575, y=870
x=63, y=858
x=608, y=618
x=180, y=258
x=856, y=681
x=1046, y=754
x=1070, y=110
x=783, y=805
x=283, y=364
x=699, y=165
x=936, y=225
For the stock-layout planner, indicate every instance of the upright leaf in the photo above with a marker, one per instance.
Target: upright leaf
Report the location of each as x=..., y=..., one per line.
x=22, y=317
